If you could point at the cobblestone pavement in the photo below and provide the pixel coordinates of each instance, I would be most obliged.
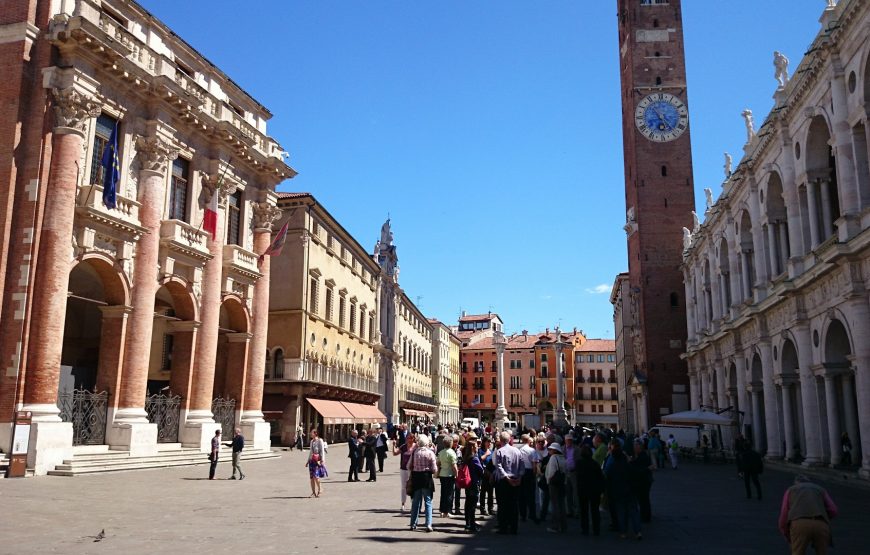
(697, 509)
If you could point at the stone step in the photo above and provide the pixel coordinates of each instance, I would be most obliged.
(193, 454)
(72, 468)
(124, 455)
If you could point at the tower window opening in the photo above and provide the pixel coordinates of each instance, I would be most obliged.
(658, 80)
(664, 171)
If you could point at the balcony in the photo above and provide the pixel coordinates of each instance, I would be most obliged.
(184, 241)
(580, 379)
(240, 267)
(611, 380)
(319, 373)
(417, 398)
(477, 385)
(124, 217)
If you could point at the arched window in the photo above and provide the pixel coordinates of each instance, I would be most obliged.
(664, 171)
(658, 80)
(675, 300)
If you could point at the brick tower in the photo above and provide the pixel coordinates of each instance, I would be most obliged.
(659, 197)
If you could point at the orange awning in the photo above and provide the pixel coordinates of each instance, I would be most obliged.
(333, 412)
(364, 414)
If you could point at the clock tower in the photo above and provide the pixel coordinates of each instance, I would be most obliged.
(659, 198)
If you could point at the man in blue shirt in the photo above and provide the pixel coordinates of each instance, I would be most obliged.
(509, 468)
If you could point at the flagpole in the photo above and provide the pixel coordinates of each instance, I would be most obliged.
(217, 188)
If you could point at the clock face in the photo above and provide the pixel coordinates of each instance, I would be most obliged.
(661, 117)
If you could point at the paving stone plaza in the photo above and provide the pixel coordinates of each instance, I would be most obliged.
(697, 509)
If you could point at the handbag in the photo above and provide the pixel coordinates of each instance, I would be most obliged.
(210, 456)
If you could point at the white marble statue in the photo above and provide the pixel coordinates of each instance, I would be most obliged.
(780, 63)
(396, 273)
(696, 222)
(377, 247)
(832, 4)
(687, 239)
(728, 162)
(708, 193)
(750, 125)
(629, 215)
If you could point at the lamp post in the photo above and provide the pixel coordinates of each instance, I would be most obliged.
(500, 412)
(560, 417)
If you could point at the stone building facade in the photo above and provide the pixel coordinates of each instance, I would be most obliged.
(123, 326)
(596, 397)
(322, 367)
(629, 384)
(777, 276)
(405, 350)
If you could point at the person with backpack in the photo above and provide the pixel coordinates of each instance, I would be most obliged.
(468, 478)
(556, 477)
(752, 466)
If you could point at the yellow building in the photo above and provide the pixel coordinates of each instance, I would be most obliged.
(445, 375)
(322, 367)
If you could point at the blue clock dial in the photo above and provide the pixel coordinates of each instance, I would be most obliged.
(661, 117)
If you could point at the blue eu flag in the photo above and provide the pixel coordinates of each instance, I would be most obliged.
(111, 169)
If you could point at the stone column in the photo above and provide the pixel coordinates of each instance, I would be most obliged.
(721, 389)
(559, 415)
(746, 258)
(757, 436)
(715, 297)
(734, 271)
(771, 420)
(809, 397)
(847, 178)
(833, 417)
(237, 364)
(51, 439)
(784, 248)
(740, 368)
(113, 334)
(690, 307)
(705, 388)
(812, 208)
(254, 427)
(827, 216)
(199, 425)
(694, 402)
(500, 411)
(788, 419)
(184, 334)
(772, 253)
(859, 320)
(643, 410)
(130, 429)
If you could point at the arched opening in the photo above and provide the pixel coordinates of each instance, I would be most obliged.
(790, 395)
(92, 346)
(708, 296)
(756, 390)
(746, 259)
(232, 350)
(823, 201)
(859, 138)
(842, 419)
(776, 227)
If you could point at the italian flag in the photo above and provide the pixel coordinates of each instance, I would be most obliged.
(209, 221)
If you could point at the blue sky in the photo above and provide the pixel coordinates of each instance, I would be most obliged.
(490, 131)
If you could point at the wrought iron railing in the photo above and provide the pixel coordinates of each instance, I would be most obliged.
(164, 410)
(224, 411)
(87, 412)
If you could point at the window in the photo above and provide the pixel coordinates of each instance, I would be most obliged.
(329, 295)
(600, 358)
(613, 393)
(168, 343)
(494, 366)
(675, 300)
(178, 190)
(278, 371)
(590, 358)
(612, 372)
(664, 168)
(611, 358)
(544, 373)
(612, 408)
(312, 299)
(352, 317)
(543, 357)
(594, 407)
(532, 364)
(464, 398)
(234, 218)
(580, 407)
(362, 322)
(371, 328)
(493, 399)
(341, 306)
(545, 391)
(102, 133)
(600, 408)
(464, 366)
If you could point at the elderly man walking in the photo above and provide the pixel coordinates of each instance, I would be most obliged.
(509, 468)
(805, 517)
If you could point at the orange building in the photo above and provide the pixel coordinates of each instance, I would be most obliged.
(596, 388)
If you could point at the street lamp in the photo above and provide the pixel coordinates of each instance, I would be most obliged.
(560, 417)
(499, 341)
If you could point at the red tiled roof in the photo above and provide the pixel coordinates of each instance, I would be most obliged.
(604, 345)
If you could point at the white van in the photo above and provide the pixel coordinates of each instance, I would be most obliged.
(511, 426)
(470, 423)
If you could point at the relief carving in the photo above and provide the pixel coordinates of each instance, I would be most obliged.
(73, 109)
(264, 215)
(155, 153)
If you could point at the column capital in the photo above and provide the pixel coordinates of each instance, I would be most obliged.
(72, 110)
(265, 214)
(219, 183)
(155, 152)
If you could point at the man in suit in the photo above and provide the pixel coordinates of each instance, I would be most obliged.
(371, 451)
(381, 448)
(353, 455)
